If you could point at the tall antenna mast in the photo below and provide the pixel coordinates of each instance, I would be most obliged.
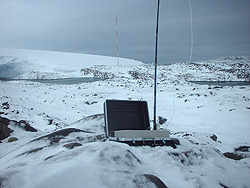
(156, 65)
(117, 49)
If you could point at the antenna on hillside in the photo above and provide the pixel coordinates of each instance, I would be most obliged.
(117, 49)
(156, 64)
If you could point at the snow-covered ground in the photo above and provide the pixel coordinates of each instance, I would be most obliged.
(195, 113)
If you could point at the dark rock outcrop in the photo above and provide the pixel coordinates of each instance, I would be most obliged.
(12, 139)
(175, 141)
(57, 135)
(214, 137)
(162, 120)
(234, 156)
(26, 126)
(5, 105)
(154, 179)
(242, 149)
(72, 145)
(31, 151)
(4, 129)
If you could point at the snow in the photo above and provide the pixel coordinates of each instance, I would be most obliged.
(194, 113)
(28, 64)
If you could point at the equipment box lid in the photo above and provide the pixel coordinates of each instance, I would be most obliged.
(125, 115)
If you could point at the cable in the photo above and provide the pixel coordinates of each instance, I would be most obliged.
(191, 28)
(117, 45)
(191, 52)
(174, 109)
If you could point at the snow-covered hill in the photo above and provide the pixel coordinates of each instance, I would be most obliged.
(33, 64)
(69, 149)
(227, 69)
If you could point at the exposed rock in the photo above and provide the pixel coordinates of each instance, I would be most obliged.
(162, 120)
(26, 126)
(60, 134)
(233, 156)
(90, 103)
(4, 129)
(12, 139)
(158, 183)
(32, 151)
(92, 138)
(72, 145)
(222, 185)
(48, 157)
(217, 87)
(187, 134)
(5, 105)
(134, 74)
(89, 118)
(55, 140)
(214, 137)
(242, 148)
(96, 73)
(50, 121)
(4, 120)
(200, 106)
(175, 141)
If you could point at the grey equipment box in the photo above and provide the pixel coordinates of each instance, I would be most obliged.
(128, 122)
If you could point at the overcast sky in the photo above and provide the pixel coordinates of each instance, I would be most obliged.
(220, 27)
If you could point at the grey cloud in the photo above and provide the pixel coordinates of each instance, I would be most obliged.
(221, 28)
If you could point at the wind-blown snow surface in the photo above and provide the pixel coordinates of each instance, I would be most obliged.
(194, 113)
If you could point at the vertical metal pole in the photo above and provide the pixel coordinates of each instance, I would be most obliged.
(156, 65)
(117, 49)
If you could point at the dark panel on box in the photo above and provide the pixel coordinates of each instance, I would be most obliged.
(125, 115)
